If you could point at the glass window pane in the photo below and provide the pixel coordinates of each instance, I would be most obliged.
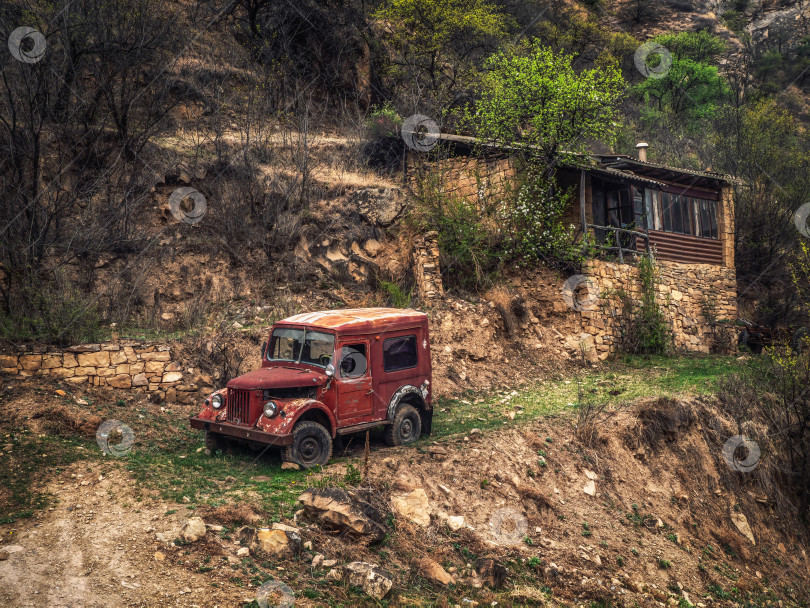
(353, 361)
(705, 221)
(399, 353)
(667, 211)
(714, 219)
(639, 212)
(677, 213)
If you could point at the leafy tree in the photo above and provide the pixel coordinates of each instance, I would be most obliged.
(437, 44)
(536, 101)
(692, 87)
(762, 145)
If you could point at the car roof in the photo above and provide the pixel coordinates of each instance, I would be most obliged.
(358, 320)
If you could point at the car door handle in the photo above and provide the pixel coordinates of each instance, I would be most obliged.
(370, 391)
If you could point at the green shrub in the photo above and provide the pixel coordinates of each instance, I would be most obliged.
(642, 325)
(54, 311)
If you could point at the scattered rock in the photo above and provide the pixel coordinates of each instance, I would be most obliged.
(590, 488)
(286, 528)
(456, 522)
(329, 563)
(159, 557)
(333, 575)
(4, 555)
(317, 560)
(590, 475)
(339, 510)
(308, 545)
(242, 552)
(375, 581)
(413, 506)
(491, 572)
(289, 466)
(372, 247)
(741, 522)
(276, 543)
(432, 571)
(193, 530)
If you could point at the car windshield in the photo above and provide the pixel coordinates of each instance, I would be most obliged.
(301, 346)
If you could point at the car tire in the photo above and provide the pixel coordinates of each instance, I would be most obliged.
(406, 426)
(214, 441)
(311, 446)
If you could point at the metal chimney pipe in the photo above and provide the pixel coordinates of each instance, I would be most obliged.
(642, 151)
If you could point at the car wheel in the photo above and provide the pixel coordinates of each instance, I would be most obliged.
(311, 446)
(213, 441)
(406, 427)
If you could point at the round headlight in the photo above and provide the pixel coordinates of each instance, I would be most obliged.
(270, 409)
(217, 401)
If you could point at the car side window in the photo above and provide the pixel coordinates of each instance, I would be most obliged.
(353, 361)
(399, 353)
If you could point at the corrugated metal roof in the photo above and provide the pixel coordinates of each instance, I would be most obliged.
(599, 163)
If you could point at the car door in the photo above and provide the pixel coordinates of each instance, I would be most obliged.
(355, 394)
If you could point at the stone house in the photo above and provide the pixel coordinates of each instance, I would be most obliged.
(625, 207)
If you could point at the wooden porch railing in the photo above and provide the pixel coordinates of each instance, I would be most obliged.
(617, 233)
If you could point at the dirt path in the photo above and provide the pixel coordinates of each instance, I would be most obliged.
(97, 547)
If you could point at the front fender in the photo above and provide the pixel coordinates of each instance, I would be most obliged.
(293, 410)
(209, 413)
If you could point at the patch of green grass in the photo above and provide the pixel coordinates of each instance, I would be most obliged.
(173, 467)
(664, 564)
(619, 382)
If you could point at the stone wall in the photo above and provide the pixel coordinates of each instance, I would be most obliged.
(683, 293)
(143, 367)
(426, 268)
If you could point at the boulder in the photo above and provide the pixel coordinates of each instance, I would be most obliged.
(741, 522)
(372, 579)
(193, 530)
(271, 543)
(492, 573)
(413, 506)
(432, 571)
(344, 512)
(456, 522)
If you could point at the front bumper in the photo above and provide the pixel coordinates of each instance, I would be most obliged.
(240, 432)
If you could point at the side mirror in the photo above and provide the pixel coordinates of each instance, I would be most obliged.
(264, 349)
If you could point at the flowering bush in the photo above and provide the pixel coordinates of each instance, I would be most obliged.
(384, 121)
(532, 224)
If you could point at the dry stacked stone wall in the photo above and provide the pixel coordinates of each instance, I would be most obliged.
(428, 272)
(699, 301)
(143, 367)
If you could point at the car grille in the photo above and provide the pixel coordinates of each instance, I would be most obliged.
(238, 409)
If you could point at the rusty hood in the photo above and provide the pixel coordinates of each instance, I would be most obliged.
(278, 377)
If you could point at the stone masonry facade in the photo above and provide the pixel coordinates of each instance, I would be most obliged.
(694, 297)
(143, 367)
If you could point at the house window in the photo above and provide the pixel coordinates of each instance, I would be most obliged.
(681, 214)
(399, 353)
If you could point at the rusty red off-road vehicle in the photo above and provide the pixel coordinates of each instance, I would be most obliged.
(325, 375)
